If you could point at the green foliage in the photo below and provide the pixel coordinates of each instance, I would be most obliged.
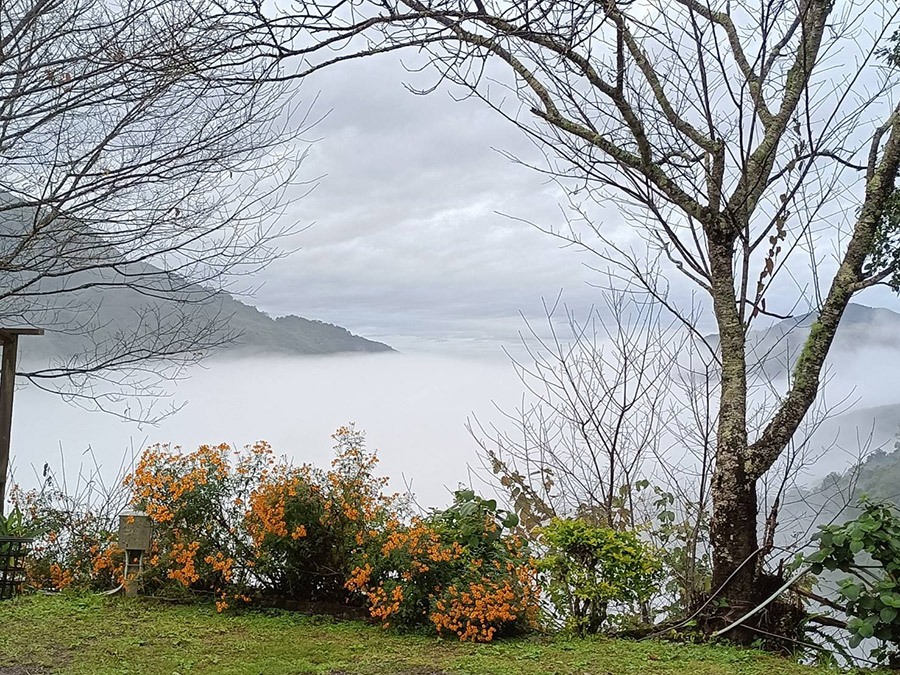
(15, 524)
(891, 54)
(474, 522)
(868, 548)
(682, 546)
(589, 570)
(885, 255)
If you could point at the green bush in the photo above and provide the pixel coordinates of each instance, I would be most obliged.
(867, 548)
(595, 574)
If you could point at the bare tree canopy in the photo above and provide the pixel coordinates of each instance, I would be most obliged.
(593, 415)
(141, 161)
(751, 147)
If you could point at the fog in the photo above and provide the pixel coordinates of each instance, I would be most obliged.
(412, 407)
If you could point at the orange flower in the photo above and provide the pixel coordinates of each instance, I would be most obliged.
(59, 577)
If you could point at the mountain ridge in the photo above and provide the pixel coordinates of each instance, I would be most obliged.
(69, 277)
(245, 329)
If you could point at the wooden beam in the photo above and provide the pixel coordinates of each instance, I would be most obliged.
(6, 333)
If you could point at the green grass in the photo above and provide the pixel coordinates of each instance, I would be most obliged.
(91, 634)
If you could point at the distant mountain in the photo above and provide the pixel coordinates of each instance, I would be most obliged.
(861, 327)
(861, 369)
(775, 348)
(69, 278)
(122, 310)
(834, 496)
(290, 334)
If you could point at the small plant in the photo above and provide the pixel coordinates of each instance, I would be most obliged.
(681, 543)
(589, 570)
(74, 532)
(867, 548)
(15, 525)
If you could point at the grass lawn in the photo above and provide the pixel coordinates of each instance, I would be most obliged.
(91, 634)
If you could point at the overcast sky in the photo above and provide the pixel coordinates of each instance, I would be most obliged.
(408, 242)
(407, 238)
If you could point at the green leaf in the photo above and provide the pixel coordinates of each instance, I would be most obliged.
(467, 509)
(851, 591)
(511, 520)
(856, 546)
(888, 614)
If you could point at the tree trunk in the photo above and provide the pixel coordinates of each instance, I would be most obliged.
(733, 529)
(734, 535)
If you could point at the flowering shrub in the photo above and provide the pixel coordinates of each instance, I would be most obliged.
(230, 522)
(307, 526)
(195, 502)
(456, 569)
(590, 569)
(227, 522)
(75, 535)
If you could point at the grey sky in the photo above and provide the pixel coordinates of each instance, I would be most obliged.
(407, 238)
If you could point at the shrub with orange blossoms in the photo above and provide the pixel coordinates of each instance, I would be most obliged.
(76, 537)
(235, 524)
(460, 570)
(308, 526)
(195, 501)
(244, 522)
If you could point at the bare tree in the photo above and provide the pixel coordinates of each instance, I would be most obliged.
(592, 415)
(141, 162)
(753, 146)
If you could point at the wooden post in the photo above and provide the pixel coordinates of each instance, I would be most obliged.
(7, 389)
(10, 340)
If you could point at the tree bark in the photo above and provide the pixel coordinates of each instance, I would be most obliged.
(733, 528)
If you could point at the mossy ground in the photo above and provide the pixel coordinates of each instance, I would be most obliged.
(80, 634)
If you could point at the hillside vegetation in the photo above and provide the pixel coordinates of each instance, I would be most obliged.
(80, 634)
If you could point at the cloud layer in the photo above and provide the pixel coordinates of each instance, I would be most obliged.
(414, 221)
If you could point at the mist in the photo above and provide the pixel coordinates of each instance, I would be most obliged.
(413, 409)
(412, 406)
